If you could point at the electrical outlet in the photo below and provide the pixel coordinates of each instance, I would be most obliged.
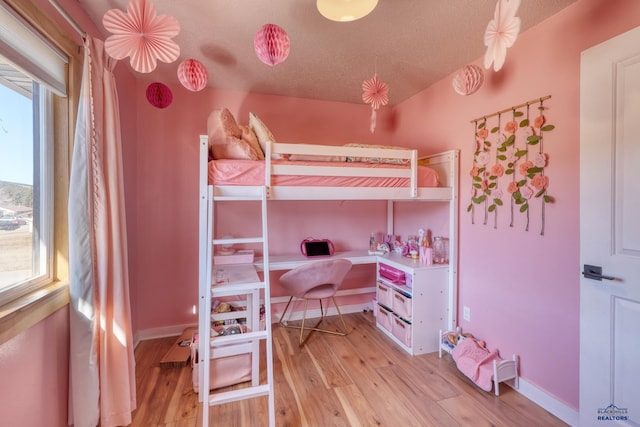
(466, 313)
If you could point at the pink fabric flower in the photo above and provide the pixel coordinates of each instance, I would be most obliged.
(526, 191)
(474, 171)
(510, 154)
(539, 121)
(497, 170)
(501, 33)
(141, 34)
(483, 133)
(512, 187)
(540, 181)
(484, 185)
(500, 139)
(473, 191)
(497, 193)
(511, 127)
(524, 167)
(483, 158)
(540, 160)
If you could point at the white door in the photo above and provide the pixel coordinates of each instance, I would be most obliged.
(610, 232)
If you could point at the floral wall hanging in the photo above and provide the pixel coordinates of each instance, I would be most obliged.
(376, 93)
(509, 161)
(142, 35)
(501, 33)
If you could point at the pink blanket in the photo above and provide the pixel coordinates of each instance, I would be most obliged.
(251, 172)
(475, 362)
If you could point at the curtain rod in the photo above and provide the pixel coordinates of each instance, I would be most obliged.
(68, 18)
(515, 107)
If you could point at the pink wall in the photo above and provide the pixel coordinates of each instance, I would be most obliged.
(523, 288)
(34, 367)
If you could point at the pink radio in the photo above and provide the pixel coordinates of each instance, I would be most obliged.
(316, 247)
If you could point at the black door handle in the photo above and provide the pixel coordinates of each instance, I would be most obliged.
(595, 273)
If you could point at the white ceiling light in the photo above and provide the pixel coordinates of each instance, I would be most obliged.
(345, 10)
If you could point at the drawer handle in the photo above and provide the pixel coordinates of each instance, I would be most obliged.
(399, 323)
(400, 297)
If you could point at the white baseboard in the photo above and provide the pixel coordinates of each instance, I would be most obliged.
(548, 402)
(154, 333)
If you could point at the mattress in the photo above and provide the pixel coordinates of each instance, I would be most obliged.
(251, 172)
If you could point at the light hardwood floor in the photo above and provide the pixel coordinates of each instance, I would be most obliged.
(362, 379)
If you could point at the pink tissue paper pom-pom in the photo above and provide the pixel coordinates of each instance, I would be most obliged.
(193, 75)
(271, 44)
(468, 80)
(159, 95)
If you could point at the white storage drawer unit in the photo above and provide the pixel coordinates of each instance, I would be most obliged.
(412, 308)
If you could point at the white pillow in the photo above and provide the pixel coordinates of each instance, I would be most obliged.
(250, 138)
(263, 133)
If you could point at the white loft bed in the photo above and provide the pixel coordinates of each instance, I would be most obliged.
(444, 164)
(268, 186)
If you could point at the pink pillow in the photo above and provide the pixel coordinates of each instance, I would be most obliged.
(233, 148)
(225, 137)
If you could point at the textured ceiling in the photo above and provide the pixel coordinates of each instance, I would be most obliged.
(409, 43)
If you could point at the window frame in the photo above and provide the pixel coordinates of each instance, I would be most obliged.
(26, 310)
(42, 100)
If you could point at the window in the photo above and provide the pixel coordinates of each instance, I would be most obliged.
(40, 68)
(26, 212)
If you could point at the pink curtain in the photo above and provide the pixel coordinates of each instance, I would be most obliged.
(102, 364)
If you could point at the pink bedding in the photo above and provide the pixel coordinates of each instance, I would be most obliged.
(251, 172)
(475, 362)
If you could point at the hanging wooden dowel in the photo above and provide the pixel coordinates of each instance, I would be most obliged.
(515, 107)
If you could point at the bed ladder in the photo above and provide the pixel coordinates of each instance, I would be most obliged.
(235, 280)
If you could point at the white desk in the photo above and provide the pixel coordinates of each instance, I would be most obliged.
(288, 262)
